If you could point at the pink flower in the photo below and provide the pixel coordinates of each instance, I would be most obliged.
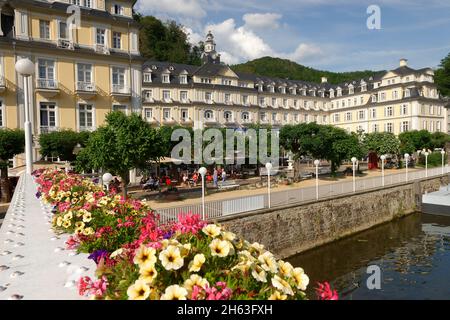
(88, 287)
(189, 223)
(324, 292)
(73, 242)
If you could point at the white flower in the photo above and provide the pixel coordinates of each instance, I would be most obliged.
(230, 236)
(174, 292)
(145, 255)
(197, 263)
(268, 262)
(282, 285)
(301, 279)
(148, 272)
(211, 230)
(220, 248)
(285, 268)
(138, 291)
(259, 274)
(195, 280)
(171, 258)
(87, 217)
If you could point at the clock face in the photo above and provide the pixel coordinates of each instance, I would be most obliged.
(214, 56)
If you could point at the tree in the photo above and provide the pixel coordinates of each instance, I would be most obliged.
(439, 139)
(382, 143)
(122, 144)
(442, 76)
(60, 144)
(12, 143)
(411, 141)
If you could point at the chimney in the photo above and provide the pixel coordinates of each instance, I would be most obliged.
(324, 80)
(403, 62)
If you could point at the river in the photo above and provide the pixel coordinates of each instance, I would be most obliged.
(413, 254)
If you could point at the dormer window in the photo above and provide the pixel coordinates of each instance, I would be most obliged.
(374, 98)
(339, 92)
(283, 90)
(407, 93)
(351, 89)
(363, 87)
(83, 3)
(293, 91)
(117, 9)
(271, 89)
(260, 88)
(183, 79)
(147, 77)
(331, 93)
(166, 78)
(205, 80)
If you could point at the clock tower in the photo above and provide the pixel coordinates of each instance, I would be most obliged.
(210, 55)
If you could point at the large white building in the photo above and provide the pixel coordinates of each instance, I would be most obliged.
(213, 94)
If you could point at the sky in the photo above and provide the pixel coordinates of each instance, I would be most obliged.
(325, 34)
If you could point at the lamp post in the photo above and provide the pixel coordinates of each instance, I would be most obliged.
(107, 178)
(406, 164)
(26, 68)
(268, 168)
(354, 173)
(426, 163)
(202, 172)
(443, 156)
(383, 157)
(316, 163)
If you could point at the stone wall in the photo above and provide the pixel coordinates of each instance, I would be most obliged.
(292, 229)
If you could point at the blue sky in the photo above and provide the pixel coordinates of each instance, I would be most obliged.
(325, 34)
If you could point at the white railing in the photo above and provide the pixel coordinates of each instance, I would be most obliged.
(85, 86)
(217, 209)
(46, 83)
(48, 129)
(120, 88)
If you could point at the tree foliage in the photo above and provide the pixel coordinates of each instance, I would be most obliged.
(286, 69)
(166, 41)
(61, 143)
(412, 141)
(442, 76)
(122, 144)
(382, 143)
(12, 143)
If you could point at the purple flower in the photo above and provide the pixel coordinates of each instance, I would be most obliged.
(168, 235)
(38, 194)
(97, 255)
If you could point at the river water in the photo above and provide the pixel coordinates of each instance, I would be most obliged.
(413, 254)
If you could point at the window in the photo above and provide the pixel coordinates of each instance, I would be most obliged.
(183, 79)
(263, 116)
(331, 93)
(62, 29)
(274, 117)
(285, 117)
(364, 88)
(183, 96)
(296, 117)
(373, 113)
(351, 90)
(205, 80)
(209, 115)
(348, 116)
(147, 77)
(166, 78)
(46, 74)
(339, 92)
(119, 108)
(226, 82)
(148, 95)
(395, 94)
(285, 103)
(262, 101)
(228, 115)
(404, 109)
(47, 117)
(44, 29)
(100, 36)
(389, 127)
(244, 100)
(117, 40)
(166, 114)
(382, 96)
(208, 97)
(23, 23)
(227, 98)
(166, 95)
(375, 128)
(438, 126)
(245, 116)
(361, 115)
(431, 110)
(361, 100)
(283, 90)
(85, 114)
(374, 98)
(404, 126)
(148, 113)
(84, 77)
(306, 118)
(274, 102)
(88, 3)
(184, 114)
(424, 125)
(431, 126)
(118, 79)
(407, 93)
(336, 117)
(388, 112)
(439, 111)
(324, 119)
(117, 9)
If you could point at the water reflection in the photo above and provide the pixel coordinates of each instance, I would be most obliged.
(413, 254)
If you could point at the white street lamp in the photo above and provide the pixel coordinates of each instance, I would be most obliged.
(354, 173)
(26, 68)
(443, 156)
(202, 172)
(268, 168)
(406, 164)
(107, 178)
(316, 163)
(383, 157)
(426, 163)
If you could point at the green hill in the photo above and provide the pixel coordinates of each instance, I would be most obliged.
(286, 69)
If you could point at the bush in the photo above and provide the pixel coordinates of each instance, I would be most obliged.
(60, 144)
(434, 160)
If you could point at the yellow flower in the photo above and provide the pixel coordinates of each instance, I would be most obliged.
(171, 258)
(285, 268)
(165, 243)
(66, 223)
(220, 248)
(79, 224)
(268, 262)
(59, 221)
(68, 215)
(230, 236)
(116, 253)
(145, 255)
(87, 217)
(138, 291)
(259, 274)
(184, 249)
(195, 280)
(88, 231)
(197, 262)
(211, 230)
(282, 285)
(301, 279)
(277, 296)
(258, 247)
(148, 272)
(174, 292)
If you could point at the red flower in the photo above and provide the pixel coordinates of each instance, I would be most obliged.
(324, 292)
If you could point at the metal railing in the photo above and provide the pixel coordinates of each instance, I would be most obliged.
(46, 83)
(120, 88)
(226, 207)
(85, 86)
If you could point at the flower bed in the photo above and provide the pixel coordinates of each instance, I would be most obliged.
(138, 259)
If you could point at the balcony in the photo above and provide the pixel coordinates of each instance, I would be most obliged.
(86, 90)
(100, 48)
(120, 92)
(65, 44)
(229, 121)
(47, 129)
(2, 84)
(186, 121)
(47, 87)
(210, 121)
(169, 120)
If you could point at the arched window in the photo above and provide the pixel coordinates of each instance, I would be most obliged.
(245, 116)
(228, 115)
(209, 115)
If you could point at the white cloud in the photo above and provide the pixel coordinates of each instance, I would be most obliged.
(305, 52)
(261, 20)
(177, 8)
